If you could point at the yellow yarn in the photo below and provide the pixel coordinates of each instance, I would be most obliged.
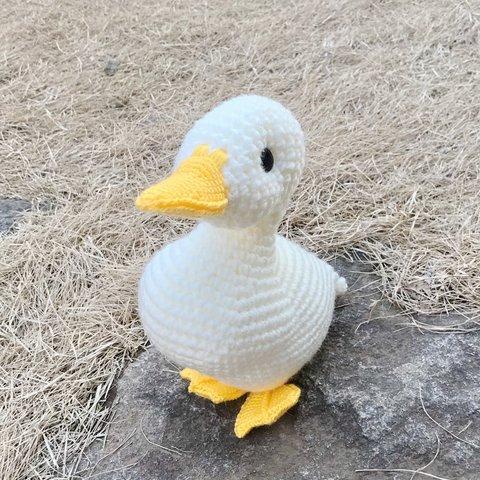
(265, 408)
(209, 388)
(195, 189)
(260, 408)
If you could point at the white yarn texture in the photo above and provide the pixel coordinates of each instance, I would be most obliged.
(232, 299)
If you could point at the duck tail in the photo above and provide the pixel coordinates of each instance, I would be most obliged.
(340, 284)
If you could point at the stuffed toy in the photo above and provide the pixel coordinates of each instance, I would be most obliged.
(241, 307)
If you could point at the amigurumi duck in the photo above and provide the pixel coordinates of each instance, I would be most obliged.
(241, 307)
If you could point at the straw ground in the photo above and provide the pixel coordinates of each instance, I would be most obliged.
(95, 98)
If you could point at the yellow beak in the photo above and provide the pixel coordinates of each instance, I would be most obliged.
(195, 189)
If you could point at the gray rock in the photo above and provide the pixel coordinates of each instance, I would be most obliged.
(10, 209)
(111, 66)
(360, 408)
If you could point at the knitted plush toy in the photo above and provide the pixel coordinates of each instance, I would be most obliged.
(238, 305)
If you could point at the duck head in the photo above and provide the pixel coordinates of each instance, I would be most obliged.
(237, 167)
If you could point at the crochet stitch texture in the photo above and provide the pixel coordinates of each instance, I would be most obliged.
(233, 299)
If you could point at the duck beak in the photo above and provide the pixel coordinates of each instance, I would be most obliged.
(195, 189)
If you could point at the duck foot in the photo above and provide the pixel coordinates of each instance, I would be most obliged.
(265, 408)
(209, 388)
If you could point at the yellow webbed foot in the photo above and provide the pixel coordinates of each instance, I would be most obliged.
(265, 408)
(208, 387)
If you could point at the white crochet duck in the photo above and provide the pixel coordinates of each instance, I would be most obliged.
(242, 307)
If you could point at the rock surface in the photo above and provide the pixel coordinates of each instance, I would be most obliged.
(361, 407)
(10, 209)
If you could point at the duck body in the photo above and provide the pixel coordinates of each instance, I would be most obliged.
(239, 306)
(246, 307)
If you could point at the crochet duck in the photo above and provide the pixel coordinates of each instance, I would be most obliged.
(240, 306)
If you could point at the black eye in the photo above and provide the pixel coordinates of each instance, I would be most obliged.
(267, 159)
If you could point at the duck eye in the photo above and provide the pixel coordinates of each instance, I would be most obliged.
(267, 159)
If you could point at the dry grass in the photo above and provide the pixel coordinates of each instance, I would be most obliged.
(95, 98)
